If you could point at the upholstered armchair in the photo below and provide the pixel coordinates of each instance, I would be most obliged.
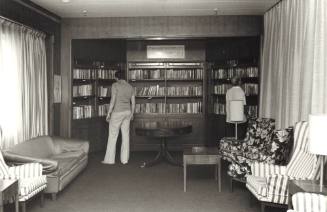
(262, 144)
(269, 183)
(30, 180)
(309, 202)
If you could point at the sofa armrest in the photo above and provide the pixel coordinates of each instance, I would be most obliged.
(70, 145)
(16, 159)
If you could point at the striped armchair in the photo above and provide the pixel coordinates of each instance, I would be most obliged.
(30, 179)
(269, 183)
(309, 202)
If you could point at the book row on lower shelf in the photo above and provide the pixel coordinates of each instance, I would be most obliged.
(156, 90)
(82, 90)
(88, 111)
(248, 88)
(79, 73)
(249, 110)
(181, 74)
(228, 73)
(161, 108)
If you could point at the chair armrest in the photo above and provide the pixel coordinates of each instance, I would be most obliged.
(303, 201)
(28, 170)
(70, 145)
(15, 159)
(264, 169)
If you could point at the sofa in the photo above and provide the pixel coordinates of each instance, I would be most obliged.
(62, 159)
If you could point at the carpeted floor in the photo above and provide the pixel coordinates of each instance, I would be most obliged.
(124, 188)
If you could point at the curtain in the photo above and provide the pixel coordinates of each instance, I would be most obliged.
(23, 84)
(293, 71)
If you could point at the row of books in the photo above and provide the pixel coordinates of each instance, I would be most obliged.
(249, 89)
(106, 73)
(180, 74)
(155, 90)
(82, 90)
(250, 110)
(160, 107)
(189, 107)
(185, 74)
(228, 73)
(185, 91)
(83, 111)
(137, 74)
(104, 91)
(103, 109)
(79, 73)
(150, 108)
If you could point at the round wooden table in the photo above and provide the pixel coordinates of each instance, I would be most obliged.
(163, 130)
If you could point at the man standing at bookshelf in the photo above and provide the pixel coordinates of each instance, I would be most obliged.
(120, 113)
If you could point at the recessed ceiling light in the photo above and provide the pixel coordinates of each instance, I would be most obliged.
(65, 1)
(84, 12)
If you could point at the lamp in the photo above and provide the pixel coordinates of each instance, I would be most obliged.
(236, 109)
(318, 139)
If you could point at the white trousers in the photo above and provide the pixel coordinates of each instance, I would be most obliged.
(118, 120)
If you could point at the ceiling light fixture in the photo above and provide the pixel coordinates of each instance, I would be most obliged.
(65, 1)
(84, 12)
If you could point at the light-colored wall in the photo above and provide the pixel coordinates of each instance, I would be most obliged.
(144, 27)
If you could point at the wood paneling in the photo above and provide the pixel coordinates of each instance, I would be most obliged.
(144, 27)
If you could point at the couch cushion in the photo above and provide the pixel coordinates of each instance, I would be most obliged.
(39, 147)
(66, 161)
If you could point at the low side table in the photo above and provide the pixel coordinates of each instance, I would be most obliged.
(310, 186)
(8, 189)
(202, 156)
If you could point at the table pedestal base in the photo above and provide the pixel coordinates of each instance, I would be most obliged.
(162, 156)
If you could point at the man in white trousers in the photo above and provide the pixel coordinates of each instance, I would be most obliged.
(120, 113)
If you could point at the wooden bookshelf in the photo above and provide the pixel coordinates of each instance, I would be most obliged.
(168, 88)
(226, 58)
(94, 63)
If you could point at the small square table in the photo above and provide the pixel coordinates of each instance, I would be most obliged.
(310, 186)
(202, 156)
(8, 189)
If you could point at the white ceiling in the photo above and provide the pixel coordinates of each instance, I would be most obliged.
(134, 8)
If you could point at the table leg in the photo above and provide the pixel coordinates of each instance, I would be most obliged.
(16, 203)
(289, 201)
(185, 173)
(163, 155)
(219, 175)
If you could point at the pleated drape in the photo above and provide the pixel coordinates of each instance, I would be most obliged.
(293, 72)
(23, 84)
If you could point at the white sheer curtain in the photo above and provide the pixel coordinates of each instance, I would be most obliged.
(294, 61)
(23, 84)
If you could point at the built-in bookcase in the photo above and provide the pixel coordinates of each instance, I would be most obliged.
(226, 58)
(221, 81)
(94, 62)
(167, 87)
(91, 90)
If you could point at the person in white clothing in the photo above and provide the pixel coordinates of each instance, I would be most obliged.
(120, 113)
(235, 93)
